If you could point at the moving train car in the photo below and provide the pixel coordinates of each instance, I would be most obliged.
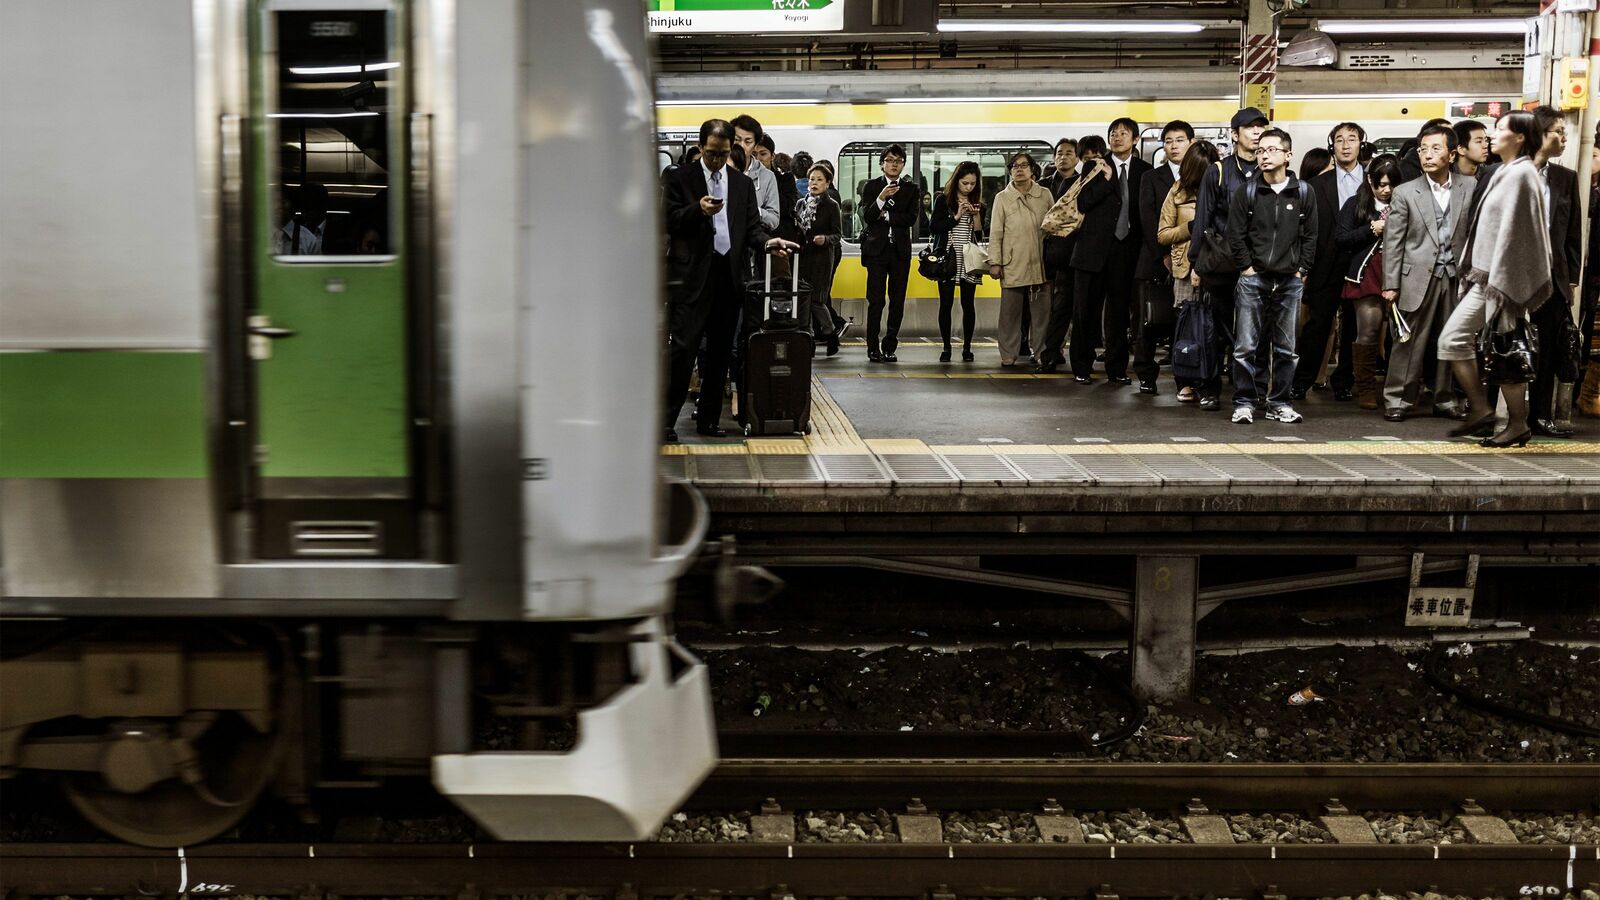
(945, 116)
(311, 473)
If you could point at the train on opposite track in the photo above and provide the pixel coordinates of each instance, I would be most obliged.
(306, 479)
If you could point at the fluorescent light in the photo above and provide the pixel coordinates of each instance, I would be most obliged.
(348, 115)
(343, 70)
(1131, 26)
(1422, 26)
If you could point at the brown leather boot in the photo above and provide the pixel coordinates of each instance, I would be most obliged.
(1365, 364)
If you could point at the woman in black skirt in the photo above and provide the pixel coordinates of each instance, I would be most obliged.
(817, 215)
(957, 221)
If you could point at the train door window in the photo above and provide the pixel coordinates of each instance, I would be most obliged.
(937, 162)
(329, 94)
(1157, 152)
(857, 165)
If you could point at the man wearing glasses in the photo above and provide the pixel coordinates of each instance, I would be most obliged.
(889, 207)
(1273, 236)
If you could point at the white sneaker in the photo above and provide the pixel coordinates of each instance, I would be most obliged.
(1285, 414)
(1244, 415)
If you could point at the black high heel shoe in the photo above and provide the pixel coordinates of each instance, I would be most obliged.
(945, 356)
(966, 356)
(1480, 427)
(1520, 440)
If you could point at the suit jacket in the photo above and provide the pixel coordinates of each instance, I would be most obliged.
(1100, 201)
(1411, 239)
(1058, 250)
(1329, 269)
(887, 235)
(1153, 188)
(788, 196)
(1566, 230)
(691, 250)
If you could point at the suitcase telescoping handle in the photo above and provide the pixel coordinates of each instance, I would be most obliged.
(794, 289)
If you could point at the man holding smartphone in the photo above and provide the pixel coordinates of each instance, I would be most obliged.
(889, 208)
(712, 218)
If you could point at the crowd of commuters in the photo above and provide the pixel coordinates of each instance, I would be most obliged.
(1422, 277)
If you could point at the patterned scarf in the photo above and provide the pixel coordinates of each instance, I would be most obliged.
(806, 210)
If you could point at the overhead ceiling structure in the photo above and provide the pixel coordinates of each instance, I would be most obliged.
(1095, 35)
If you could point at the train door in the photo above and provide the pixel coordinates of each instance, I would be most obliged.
(328, 317)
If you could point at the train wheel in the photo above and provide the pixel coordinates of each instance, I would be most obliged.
(231, 766)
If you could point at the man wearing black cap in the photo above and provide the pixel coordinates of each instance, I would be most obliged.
(1211, 212)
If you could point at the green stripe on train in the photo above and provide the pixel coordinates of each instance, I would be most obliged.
(102, 414)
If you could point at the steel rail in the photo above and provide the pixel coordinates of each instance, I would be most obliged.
(1025, 784)
(652, 869)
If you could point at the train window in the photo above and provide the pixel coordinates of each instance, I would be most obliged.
(937, 162)
(328, 95)
(930, 166)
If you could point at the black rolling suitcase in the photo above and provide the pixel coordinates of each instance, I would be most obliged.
(777, 370)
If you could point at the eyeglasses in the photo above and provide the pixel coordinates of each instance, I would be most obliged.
(1271, 150)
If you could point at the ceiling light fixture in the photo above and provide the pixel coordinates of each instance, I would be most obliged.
(1422, 26)
(343, 70)
(1048, 26)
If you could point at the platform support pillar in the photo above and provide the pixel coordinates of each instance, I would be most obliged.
(1165, 610)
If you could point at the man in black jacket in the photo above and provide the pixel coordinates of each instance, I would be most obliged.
(1273, 235)
(1211, 214)
(1104, 260)
(1049, 337)
(889, 207)
(1566, 259)
(712, 218)
(1325, 285)
(1153, 275)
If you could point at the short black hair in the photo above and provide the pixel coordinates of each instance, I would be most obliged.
(1431, 123)
(1547, 116)
(1445, 131)
(1361, 133)
(711, 128)
(1093, 143)
(1280, 134)
(1177, 125)
(1125, 122)
(1464, 130)
(1033, 164)
(1072, 142)
(748, 123)
(892, 150)
(766, 141)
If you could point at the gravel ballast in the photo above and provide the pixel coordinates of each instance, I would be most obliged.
(1371, 704)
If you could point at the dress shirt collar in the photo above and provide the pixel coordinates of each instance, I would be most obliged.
(706, 171)
(1173, 167)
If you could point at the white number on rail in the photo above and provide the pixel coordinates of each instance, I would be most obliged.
(1540, 890)
(203, 888)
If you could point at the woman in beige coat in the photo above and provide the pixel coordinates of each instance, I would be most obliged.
(1177, 215)
(1016, 253)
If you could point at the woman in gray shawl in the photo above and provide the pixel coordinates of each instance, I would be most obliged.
(1505, 275)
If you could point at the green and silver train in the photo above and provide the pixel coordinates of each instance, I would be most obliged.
(328, 413)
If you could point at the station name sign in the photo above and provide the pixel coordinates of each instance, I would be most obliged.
(744, 16)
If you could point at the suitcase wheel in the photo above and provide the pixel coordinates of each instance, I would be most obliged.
(747, 429)
(807, 429)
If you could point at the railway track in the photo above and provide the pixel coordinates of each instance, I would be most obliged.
(627, 871)
(918, 862)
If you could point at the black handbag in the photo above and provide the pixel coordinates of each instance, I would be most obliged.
(1508, 356)
(935, 261)
(1155, 303)
(1568, 346)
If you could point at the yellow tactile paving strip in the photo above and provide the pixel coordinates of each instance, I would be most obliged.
(831, 431)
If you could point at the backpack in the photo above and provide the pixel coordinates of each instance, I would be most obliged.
(1215, 257)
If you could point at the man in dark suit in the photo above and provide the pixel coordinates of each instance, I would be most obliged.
(1325, 284)
(1152, 274)
(1566, 261)
(1107, 252)
(889, 208)
(712, 219)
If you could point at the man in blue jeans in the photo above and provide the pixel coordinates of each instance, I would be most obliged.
(1274, 250)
